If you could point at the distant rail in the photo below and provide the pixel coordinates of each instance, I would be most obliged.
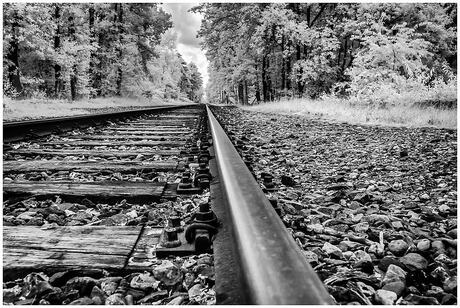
(272, 265)
(23, 130)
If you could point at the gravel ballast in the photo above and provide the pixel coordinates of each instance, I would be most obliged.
(373, 208)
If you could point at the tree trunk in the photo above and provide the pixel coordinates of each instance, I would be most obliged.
(257, 85)
(264, 79)
(246, 94)
(283, 67)
(120, 52)
(299, 74)
(288, 71)
(345, 52)
(57, 45)
(92, 64)
(13, 57)
(73, 73)
(241, 93)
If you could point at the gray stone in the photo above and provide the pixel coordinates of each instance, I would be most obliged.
(205, 259)
(373, 218)
(425, 197)
(363, 259)
(26, 215)
(316, 228)
(444, 209)
(414, 261)
(311, 257)
(397, 225)
(438, 246)
(349, 245)
(424, 245)
(83, 284)
(357, 218)
(332, 250)
(442, 258)
(144, 281)
(349, 255)
(361, 227)
(385, 297)
(115, 299)
(110, 284)
(394, 273)
(188, 280)
(397, 287)
(195, 292)
(450, 285)
(167, 273)
(98, 296)
(398, 247)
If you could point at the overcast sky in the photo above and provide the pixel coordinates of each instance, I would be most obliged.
(187, 24)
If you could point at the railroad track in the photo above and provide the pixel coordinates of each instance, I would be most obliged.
(115, 195)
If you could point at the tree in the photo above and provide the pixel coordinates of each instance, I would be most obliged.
(307, 49)
(73, 51)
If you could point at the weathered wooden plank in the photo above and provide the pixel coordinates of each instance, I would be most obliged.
(64, 248)
(89, 246)
(175, 117)
(166, 122)
(144, 126)
(118, 143)
(107, 189)
(17, 259)
(151, 128)
(70, 239)
(96, 153)
(130, 137)
(135, 131)
(88, 166)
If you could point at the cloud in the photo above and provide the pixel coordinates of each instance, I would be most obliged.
(186, 24)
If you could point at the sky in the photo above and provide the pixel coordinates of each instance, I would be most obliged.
(186, 24)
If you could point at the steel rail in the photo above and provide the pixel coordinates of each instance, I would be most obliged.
(17, 130)
(273, 266)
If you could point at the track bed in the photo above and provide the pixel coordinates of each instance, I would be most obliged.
(84, 210)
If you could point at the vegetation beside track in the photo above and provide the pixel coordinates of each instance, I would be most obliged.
(346, 111)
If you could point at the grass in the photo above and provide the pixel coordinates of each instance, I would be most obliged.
(410, 115)
(16, 110)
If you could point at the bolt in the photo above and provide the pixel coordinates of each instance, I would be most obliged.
(171, 234)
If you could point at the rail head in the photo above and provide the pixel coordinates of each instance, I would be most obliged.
(274, 268)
